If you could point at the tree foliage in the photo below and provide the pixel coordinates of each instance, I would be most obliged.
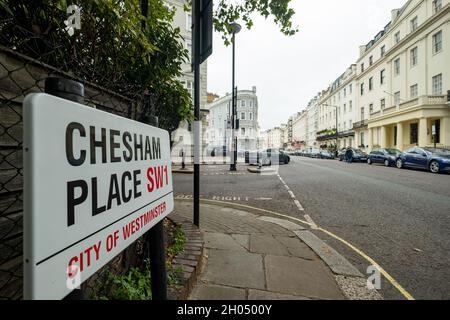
(113, 49)
(228, 11)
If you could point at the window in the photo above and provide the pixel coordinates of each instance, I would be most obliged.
(437, 42)
(362, 67)
(397, 67)
(242, 115)
(345, 93)
(250, 116)
(382, 76)
(242, 103)
(188, 21)
(362, 88)
(351, 89)
(437, 5)
(437, 84)
(243, 131)
(370, 84)
(371, 108)
(414, 57)
(383, 51)
(345, 108)
(397, 37)
(190, 87)
(362, 114)
(362, 139)
(371, 60)
(350, 124)
(397, 98)
(189, 48)
(350, 107)
(414, 24)
(383, 104)
(414, 133)
(414, 90)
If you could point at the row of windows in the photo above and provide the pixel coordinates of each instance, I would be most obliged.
(413, 93)
(413, 25)
(414, 60)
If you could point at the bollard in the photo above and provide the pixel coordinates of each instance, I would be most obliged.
(73, 91)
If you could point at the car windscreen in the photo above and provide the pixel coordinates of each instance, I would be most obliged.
(438, 151)
(393, 151)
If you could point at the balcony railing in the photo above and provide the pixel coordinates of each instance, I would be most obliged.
(360, 124)
(431, 100)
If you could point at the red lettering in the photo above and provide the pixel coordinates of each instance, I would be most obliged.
(151, 184)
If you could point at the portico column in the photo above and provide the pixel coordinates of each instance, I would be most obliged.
(400, 136)
(423, 138)
(370, 138)
(445, 131)
(383, 143)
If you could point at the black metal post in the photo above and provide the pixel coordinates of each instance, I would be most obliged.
(154, 240)
(196, 35)
(233, 113)
(73, 91)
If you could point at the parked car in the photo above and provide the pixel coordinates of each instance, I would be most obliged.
(315, 154)
(325, 154)
(385, 156)
(273, 156)
(358, 155)
(434, 159)
(341, 154)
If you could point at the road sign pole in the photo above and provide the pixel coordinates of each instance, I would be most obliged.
(196, 35)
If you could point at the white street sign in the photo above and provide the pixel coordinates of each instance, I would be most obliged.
(94, 183)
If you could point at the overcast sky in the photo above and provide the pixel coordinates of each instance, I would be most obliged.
(289, 71)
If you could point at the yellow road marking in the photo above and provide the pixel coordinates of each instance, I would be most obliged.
(403, 291)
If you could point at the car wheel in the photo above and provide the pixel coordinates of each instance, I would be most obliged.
(369, 161)
(399, 163)
(386, 163)
(434, 167)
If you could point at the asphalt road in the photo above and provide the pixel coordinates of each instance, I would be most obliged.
(400, 218)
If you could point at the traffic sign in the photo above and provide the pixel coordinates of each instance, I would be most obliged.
(94, 183)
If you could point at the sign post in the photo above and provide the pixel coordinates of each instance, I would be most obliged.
(94, 183)
(202, 35)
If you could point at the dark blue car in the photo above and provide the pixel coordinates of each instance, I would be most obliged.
(384, 156)
(434, 159)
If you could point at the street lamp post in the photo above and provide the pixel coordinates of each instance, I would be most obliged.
(234, 28)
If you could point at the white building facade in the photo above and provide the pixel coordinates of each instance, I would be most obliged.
(219, 123)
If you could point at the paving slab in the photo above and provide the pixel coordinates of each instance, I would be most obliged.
(283, 223)
(234, 268)
(267, 244)
(299, 277)
(332, 258)
(266, 295)
(242, 239)
(222, 241)
(215, 292)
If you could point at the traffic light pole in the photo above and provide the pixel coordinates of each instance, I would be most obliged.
(233, 154)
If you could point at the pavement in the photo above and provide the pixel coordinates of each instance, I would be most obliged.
(396, 218)
(251, 256)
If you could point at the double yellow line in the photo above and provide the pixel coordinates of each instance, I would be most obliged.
(388, 277)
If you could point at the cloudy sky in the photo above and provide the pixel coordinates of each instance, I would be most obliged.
(289, 71)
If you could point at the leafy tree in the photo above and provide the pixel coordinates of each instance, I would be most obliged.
(230, 11)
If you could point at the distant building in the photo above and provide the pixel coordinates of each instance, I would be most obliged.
(219, 128)
(299, 133)
(275, 138)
